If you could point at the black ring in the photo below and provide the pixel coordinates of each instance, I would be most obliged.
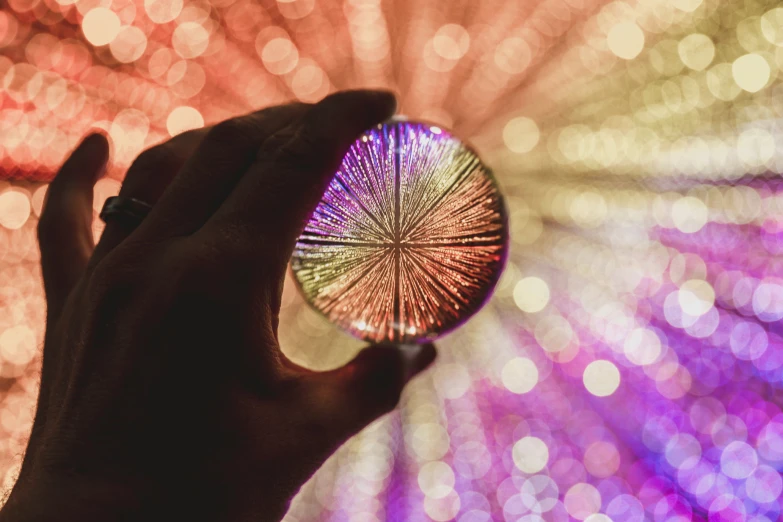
(130, 210)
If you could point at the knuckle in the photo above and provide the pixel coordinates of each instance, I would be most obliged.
(301, 152)
(109, 295)
(116, 279)
(228, 261)
(108, 269)
(123, 264)
(307, 138)
(272, 146)
(228, 132)
(152, 159)
(248, 247)
(102, 279)
(229, 249)
(183, 267)
(192, 269)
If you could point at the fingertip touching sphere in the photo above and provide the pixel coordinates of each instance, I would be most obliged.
(409, 238)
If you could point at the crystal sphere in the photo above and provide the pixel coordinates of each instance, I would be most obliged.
(409, 238)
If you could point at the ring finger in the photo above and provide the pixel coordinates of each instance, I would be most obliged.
(147, 178)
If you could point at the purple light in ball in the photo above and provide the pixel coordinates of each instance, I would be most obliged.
(409, 238)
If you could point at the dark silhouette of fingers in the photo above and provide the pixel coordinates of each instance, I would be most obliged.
(65, 229)
(270, 205)
(223, 157)
(148, 177)
(349, 398)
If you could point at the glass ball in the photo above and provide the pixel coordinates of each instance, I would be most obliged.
(409, 238)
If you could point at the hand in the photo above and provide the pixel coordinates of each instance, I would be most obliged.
(164, 394)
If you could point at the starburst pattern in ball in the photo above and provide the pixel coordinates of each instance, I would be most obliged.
(409, 238)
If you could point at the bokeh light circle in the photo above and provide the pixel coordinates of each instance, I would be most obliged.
(601, 378)
(184, 119)
(100, 26)
(531, 294)
(520, 375)
(530, 454)
(632, 351)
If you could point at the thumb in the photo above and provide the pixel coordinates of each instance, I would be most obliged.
(351, 397)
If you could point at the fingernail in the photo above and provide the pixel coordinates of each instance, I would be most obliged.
(416, 358)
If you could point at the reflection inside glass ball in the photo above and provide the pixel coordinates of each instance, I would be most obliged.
(409, 238)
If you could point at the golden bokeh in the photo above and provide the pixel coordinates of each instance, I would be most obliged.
(627, 365)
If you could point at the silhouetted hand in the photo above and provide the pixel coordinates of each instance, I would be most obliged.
(164, 393)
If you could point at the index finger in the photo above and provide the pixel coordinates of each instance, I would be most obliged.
(270, 205)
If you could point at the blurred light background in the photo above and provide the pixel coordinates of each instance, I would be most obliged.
(629, 367)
